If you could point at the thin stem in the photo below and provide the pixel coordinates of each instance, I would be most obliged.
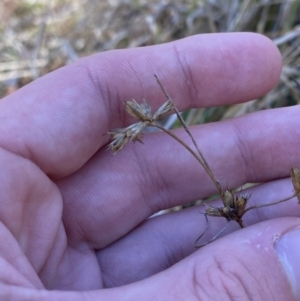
(212, 239)
(205, 164)
(269, 204)
(154, 124)
(206, 228)
(295, 81)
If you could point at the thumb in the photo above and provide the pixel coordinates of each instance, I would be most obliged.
(260, 262)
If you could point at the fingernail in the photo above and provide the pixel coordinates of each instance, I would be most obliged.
(288, 250)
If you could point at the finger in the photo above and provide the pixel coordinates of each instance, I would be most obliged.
(161, 174)
(58, 121)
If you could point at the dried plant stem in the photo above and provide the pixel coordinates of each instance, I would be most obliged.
(295, 81)
(213, 238)
(269, 204)
(154, 124)
(204, 163)
(206, 166)
(223, 229)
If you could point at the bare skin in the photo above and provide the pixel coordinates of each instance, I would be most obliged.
(73, 218)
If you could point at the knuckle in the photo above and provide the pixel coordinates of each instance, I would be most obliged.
(229, 279)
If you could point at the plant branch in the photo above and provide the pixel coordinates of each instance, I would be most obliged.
(204, 163)
(269, 204)
(213, 238)
(154, 124)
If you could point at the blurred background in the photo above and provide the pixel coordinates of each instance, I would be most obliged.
(39, 36)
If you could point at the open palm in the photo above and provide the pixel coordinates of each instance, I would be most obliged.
(74, 218)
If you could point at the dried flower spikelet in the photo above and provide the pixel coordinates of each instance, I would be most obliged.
(295, 174)
(146, 109)
(115, 133)
(212, 211)
(226, 212)
(119, 139)
(141, 112)
(228, 198)
(134, 131)
(241, 203)
(166, 108)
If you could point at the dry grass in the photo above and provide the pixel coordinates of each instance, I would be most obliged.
(40, 36)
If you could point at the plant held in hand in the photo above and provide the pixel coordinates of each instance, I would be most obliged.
(234, 204)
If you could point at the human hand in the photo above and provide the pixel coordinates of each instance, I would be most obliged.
(74, 217)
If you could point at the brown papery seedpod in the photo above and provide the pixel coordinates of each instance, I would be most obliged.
(141, 111)
(163, 110)
(120, 137)
(228, 198)
(241, 203)
(295, 174)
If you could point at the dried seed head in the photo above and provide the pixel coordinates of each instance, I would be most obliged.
(134, 131)
(141, 112)
(163, 110)
(226, 212)
(228, 198)
(295, 174)
(115, 133)
(146, 108)
(241, 203)
(234, 208)
(120, 137)
(212, 211)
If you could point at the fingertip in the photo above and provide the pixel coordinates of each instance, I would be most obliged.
(235, 67)
(268, 61)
